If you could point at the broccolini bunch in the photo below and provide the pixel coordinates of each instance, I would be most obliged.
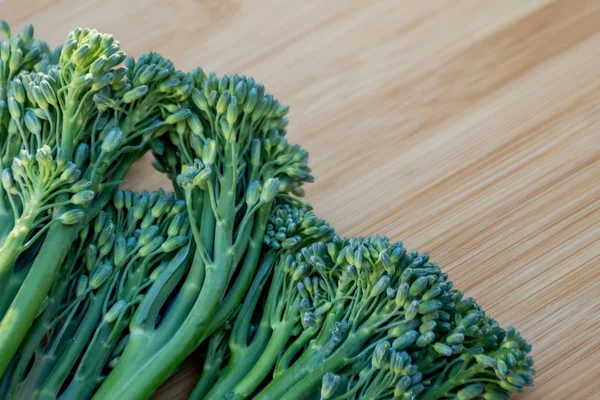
(80, 333)
(68, 134)
(231, 162)
(363, 318)
(105, 292)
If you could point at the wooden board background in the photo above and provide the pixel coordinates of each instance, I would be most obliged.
(466, 128)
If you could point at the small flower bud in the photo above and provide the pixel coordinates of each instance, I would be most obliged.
(270, 190)
(135, 94)
(114, 312)
(119, 251)
(107, 232)
(151, 247)
(382, 284)
(48, 93)
(82, 285)
(14, 108)
(455, 338)
(174, 243)
(255, 153)
(443, 349)
(426, 307)
(223, 102)
(470, 392)
(418, 286)
(181, 115)
(427, 326)
(381, 355)
(195, 124)
(100, 275)
(405, 340)
(113, 141)
(72, 217)
(200, 99)
(309, 319)
(329, 384)
(411, 311)
(425, 339)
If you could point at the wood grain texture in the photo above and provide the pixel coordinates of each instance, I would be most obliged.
(468, 129)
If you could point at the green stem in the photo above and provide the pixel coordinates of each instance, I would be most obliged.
(6, 221)
(290, 354)
(89, 372)
(301, 381)
(40, 328)
(442, 390)
(25, 306)
(77, 343)
(243, 356)
(244, 279)
(210, 374)
(265, 364)
(139, 380)
(12, 247)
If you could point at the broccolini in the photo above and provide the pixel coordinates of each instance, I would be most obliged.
(105, 292)
(230, 161)
(69, 133)
(83, 328)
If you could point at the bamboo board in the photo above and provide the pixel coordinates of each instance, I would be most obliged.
(468, 129)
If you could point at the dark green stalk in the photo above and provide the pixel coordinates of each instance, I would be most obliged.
(64, 365)
(243, 356)
(142, 381)
(300, 381)
(264, 365)
(40, 327)
(25, 306)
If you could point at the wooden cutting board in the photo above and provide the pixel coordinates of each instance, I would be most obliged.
(468, 129)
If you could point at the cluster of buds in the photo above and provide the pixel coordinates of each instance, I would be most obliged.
(290, 227)
(235, 103)
(232, 120)
(20, 52)
(307, 277)
(29, 189)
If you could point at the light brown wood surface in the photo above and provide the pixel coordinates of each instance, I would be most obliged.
(469, 129)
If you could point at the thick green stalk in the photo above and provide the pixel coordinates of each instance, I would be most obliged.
(300, 381)
(236, 294)
(13, 244)
(441, 391)
(40, 327)
(6, 222)
(243, 356)
(284, 361)
(25, 306)
(10, 285)
(264, 365)
(89, 373)
(140, 380)
(210, 373)
(190, 289)
(64, 365)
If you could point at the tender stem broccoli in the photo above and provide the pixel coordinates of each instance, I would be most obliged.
(381, 323)
(73, 130)
(83, 328)
(231, 162)
(289, 229)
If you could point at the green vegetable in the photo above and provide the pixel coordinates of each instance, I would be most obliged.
(68, 135)
(362, 318)
(230, 161)
(106, 292)
(289, 229)
(83, 329)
